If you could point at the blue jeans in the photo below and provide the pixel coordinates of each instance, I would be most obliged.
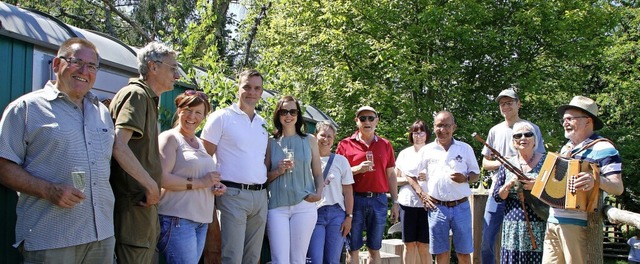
(181, 240)
(493, 217)
(368, 214)
(327, 241)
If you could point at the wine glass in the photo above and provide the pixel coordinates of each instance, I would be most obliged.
(369, 156)
(216, 169)
(78, 176)
(289, 155)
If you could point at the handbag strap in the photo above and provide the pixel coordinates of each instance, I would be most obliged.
(326, 168)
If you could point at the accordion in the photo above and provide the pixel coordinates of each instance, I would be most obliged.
(554, 185)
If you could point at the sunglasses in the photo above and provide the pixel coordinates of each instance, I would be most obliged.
(519, 135)
(284, 112)
(200, 94)
(366, 118)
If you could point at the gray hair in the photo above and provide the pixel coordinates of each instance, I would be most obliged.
(322, 125)
(526, 125)
(154, 51)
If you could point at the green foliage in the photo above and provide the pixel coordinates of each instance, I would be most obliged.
(410, 59)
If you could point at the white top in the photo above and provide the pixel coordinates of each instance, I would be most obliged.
(408, 162)
(341, 172)
(241, 144)
(440, 164)
(197, 204)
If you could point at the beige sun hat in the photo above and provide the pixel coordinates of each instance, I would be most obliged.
(366, 108)
(586, 105)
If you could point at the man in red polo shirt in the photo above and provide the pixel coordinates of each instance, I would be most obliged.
(373, 179)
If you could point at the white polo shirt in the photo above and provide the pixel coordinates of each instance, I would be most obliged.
(440, 164)
(241, 144)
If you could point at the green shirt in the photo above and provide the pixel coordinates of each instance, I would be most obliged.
(135, 107)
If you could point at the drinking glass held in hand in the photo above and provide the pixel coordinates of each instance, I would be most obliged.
(369, 156)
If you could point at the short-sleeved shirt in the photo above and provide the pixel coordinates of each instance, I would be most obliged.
(634, 249)
(355, 151)
(241, 144)
(340, 174)
(440, 164)
(409, 164)
(607, 158)
(500, 138)
(48, 135)
(135, 107)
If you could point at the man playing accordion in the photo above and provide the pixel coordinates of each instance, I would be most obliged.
(566, 236)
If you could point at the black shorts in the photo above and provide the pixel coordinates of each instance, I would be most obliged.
(415, 225)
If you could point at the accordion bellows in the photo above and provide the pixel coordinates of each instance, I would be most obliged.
(554, 185)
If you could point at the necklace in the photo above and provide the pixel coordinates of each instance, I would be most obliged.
(528, 161)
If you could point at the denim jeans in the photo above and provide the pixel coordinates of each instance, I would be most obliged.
(493, 218)
(369, 213)
(327, 241)
(181, 240)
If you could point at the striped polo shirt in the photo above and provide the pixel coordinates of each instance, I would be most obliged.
(608, 159)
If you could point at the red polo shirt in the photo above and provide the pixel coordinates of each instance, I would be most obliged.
(383, 157)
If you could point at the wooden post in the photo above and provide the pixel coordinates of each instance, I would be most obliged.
(594, 235)
(478, 202)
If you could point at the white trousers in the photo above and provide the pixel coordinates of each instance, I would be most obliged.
(289, 229)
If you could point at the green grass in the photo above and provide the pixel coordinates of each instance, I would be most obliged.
(614, 261)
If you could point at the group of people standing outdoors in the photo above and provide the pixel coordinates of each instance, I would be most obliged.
(95, 182)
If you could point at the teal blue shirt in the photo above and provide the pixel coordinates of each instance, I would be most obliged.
(291, 187)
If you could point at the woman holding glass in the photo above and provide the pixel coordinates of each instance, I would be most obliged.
(189, 183)
(516, 241)
(295, 184)
(413, 214)
(335, 209)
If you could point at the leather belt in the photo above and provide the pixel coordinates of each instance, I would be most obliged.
(449, 203)
(250, 187)
(367, 194)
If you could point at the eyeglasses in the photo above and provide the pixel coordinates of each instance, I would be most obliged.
(284, 112)
(173, 68)
(419, 134)
(200, 94)
(570, 119)
(519, 135)
(78, 63)
(366, 118)
(443, 126)
(508, 103)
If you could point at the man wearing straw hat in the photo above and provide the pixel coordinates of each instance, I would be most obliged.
(566, 236)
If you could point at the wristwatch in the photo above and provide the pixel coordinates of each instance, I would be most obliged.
(350, 215)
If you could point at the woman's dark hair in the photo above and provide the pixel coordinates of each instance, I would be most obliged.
(277, 132)
(190, 98)
(419, 125)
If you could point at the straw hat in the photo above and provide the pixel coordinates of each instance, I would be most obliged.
(586, 105)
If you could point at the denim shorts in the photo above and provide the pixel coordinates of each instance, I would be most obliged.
(370, 214)
(458, 220)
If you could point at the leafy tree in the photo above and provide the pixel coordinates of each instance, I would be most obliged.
(410, 59)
